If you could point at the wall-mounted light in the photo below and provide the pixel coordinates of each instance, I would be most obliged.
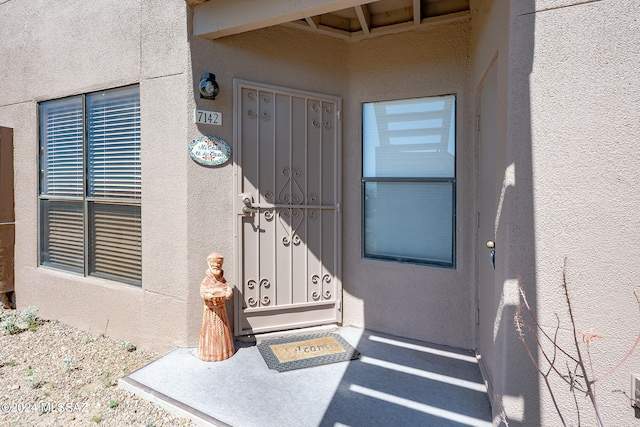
(208, 86)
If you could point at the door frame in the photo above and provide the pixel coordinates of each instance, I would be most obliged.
(238, 85)
(486, 283)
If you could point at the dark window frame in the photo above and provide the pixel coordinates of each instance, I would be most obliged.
(101, 236)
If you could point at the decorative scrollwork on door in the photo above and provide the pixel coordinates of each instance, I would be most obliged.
(291, 226)
(325, 279)
(253, 284)
(316, 280)
(264, 98)
(328, 111)
(290, 191)
(290, 247)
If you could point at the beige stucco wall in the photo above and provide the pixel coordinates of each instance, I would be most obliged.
(277, 56)
(585, 128)
(568, 150)
(514, 386)
(428, 303)
(567, 146)
(186, 208)
(64, 54)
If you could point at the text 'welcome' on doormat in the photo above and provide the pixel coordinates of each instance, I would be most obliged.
(297, 352)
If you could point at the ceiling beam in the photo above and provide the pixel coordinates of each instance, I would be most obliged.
(364, 17)
(322, 29)
(409, 26)
(313, 21)
(219, 18)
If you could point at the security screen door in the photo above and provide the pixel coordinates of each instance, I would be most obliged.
(287, 206)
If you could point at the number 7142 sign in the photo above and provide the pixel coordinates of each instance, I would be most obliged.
(209, 117)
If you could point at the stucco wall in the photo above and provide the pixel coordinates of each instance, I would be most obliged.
(567, 157)
(570, 107)
(278, 56)
(428, 303)
(514, 385)
(186, 208)
(585, 128)
(63, 54)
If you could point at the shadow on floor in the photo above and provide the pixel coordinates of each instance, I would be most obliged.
(396, 382)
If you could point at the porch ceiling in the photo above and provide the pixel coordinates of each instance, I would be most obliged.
(344, 19)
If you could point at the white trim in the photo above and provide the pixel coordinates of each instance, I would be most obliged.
(219, 18)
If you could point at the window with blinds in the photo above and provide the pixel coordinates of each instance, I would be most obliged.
(408, 180)
(90, 184)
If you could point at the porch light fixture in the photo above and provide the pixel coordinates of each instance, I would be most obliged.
(208, 86)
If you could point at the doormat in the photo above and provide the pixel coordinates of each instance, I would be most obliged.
(297, 352)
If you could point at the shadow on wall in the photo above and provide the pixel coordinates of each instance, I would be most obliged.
(515, 381)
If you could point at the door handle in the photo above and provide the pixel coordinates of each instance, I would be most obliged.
(248, 208)
(492, 255)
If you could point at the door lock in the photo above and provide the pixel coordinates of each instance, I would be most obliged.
(492, 255)
(248, 208)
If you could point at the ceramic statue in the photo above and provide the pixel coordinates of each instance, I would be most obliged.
(216, 339)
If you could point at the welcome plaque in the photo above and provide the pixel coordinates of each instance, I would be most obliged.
(209, 151)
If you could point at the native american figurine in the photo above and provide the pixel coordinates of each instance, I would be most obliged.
(216, 340)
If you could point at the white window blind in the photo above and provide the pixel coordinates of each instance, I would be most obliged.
(62, 229)
(62, 138)
(90, 186)
(114, 143)
(409, 220)
(115, 241)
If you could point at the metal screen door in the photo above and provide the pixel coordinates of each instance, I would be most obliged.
(287, 206)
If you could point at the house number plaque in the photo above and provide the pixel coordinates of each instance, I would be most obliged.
(209, 151)
(209, 117)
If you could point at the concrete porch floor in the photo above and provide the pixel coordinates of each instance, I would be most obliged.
(396, 381)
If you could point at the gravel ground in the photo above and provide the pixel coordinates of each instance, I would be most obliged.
(55, 375)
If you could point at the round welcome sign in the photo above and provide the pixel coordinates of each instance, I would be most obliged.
(210, 151)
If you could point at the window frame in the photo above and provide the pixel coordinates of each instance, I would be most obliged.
(451, 180)
(88, 202)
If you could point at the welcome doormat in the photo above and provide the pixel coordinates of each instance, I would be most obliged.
(297, 352)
